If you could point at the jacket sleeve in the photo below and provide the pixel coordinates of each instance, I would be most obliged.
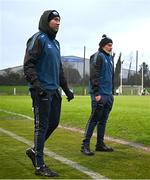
(95, 74)
(32, 54)
(63, 81)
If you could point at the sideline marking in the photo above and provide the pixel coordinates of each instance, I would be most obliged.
(115, 140)
(85, 170)
(53, 155)
(108, 138)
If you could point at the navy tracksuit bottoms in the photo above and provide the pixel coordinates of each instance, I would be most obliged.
(99, 115)
(46, 114)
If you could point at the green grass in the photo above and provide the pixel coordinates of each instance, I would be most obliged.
(16, 165)
(124, 162)
(129, 120)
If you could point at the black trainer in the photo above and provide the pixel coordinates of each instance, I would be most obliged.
(45, 171)
(104, 148)
(85, 149)
(31, 154)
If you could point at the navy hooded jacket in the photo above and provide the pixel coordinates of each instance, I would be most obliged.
(101, 73)
(42, 60)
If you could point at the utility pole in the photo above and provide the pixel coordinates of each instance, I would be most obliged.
(121, 79)
(136, 61)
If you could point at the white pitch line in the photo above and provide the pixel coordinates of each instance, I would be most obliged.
(53, 155)
(115, 140)
(17, 114)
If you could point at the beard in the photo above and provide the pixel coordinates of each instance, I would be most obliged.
(52, 33)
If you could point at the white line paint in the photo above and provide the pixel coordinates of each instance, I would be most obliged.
(53, 155)
(115, 140)
(17, 114)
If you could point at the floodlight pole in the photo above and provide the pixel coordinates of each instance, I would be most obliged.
(142, 78)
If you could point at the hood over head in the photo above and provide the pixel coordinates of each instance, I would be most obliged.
(44, 20)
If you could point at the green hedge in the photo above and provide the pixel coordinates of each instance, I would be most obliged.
(9, 90)
(23, 90)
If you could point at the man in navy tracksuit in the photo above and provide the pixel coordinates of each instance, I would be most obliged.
(43, 70)
(101, 88)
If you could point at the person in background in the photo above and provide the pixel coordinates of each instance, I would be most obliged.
(101, 91)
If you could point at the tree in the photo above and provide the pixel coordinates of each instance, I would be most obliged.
(136, 79)
(72, 74)
(146, 74)
(117, 72)
(146, 70)
(12, 78)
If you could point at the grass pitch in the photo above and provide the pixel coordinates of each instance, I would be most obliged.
(129, 120)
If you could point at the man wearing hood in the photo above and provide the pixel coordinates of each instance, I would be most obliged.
(101, 90)
(43, 70)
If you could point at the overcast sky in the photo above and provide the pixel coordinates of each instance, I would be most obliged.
(83, 22)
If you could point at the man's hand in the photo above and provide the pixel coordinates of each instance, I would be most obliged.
(39, 89)
(69, 94)
(98, 98)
